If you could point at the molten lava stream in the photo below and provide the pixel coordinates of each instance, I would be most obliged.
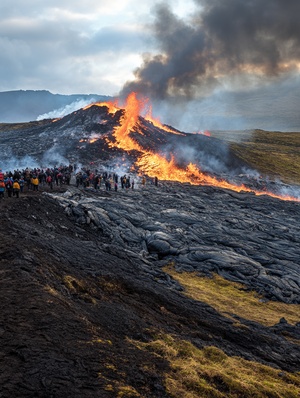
(157, 123)
(128, 121)
(155, 165)
(112, 106)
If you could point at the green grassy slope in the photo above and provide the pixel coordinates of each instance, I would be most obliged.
(275, 154)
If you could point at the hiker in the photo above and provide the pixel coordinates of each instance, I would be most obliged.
(59, 179)
(56, 172)
(27, 178)
(16, 175)
(78, 179)
(42, 177)
(123, 181)
(8, 187)
(16, 188)
(35, 183)
(21, 183)
(2, 189)
(156, 181)
(68, 178)
(49, 181)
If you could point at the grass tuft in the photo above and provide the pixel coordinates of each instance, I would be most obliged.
(79, 288)
(231, 299)
(209, 372)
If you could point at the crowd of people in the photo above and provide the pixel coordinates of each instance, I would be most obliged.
(15, 182)
(12, 183)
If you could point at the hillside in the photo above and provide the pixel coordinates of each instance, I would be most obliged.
(188, 288)
(111, 294)
(272, 153)
(27, 105)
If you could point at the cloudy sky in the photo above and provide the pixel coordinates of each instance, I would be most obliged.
(70, 46)
(221, 63)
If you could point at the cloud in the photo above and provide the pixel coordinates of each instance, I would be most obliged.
(69, 47)
(177, 52)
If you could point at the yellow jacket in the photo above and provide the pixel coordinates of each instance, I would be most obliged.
(16, 185)
(35, 181)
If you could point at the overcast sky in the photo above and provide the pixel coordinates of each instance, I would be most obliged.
(233, 57)
(71, 46)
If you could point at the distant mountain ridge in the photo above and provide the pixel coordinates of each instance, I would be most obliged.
(28, 105)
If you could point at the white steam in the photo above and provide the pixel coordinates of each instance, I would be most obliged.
(287, 190)
(66, 110)
(51, 158)
(12, 163)
(54, 156)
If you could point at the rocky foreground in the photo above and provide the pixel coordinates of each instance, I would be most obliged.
(82, 275)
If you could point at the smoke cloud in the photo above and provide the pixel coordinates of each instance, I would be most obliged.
(230, 44)
(12, 163)
(66, 110)
(54, 156)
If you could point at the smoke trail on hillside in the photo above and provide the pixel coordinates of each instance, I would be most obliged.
(54, 156)
(12, 163)
(66, 110)
(229, 43)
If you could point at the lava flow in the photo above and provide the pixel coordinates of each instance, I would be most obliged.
(156, 165)
(156, 122)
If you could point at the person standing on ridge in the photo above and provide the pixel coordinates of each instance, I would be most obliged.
(35, 183)
(16, 188)
(8, 187)
(2, 189)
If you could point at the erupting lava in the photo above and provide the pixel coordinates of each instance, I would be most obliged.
(157, 123)
(128, 123)
(112, 106)
(156, 165)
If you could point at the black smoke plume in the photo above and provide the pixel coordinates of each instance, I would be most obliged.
(234, 41)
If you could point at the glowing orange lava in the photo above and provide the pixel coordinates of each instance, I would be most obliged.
(156, 165)
(156, 122)
(112, 106)
(129, 121)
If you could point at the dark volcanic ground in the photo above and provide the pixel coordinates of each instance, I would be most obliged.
(81, 275)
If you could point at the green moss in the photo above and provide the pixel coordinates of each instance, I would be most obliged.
(274, 154)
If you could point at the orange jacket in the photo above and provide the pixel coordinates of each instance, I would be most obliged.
(16, 185)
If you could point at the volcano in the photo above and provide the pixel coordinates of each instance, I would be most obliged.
(104, 134)
(87, 136)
